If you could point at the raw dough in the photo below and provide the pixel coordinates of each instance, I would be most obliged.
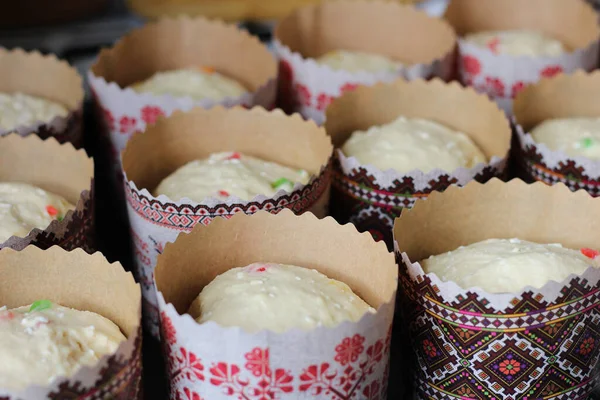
(19, 109)
(37, 347)
(197, 83)
(229, 174)
(518, 43)
(24, 207)
(277, 297)
(354, 61)
(574, 136)
(413, 144)
(507, 265)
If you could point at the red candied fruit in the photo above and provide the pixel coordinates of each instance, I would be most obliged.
(590, 253)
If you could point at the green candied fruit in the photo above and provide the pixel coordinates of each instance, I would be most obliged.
(280, 182)
(587, 142)
(40, 305)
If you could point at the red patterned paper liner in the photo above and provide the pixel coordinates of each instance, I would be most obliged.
(156, 221)
(308, 88)
(283, 366)
(537, 162)
(360, 198)
(541, 343)
(503, 76)
(67, 129)
(76, 230)
(119, 379)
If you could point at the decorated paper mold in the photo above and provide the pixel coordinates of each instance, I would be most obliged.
(425, 46)
(371, 198)
(536, 343)
(574, 23)
(564, 96)
(59, 169)
(171, 44)
(347, 361)
(78, 280)
(186, 136)
(47, 77)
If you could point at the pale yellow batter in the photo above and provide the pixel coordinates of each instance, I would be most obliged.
(18, 109)
(508, 265)
(229, 174)
(24, 207)
(51, 341)
(277, 297)
(574, 136)
(355, 61)
(197, 83)
(518, 43)
(413, 144)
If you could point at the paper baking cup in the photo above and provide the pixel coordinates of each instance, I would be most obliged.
(564, 96)
(171, 44)
(574, 23)
(371, 198)
(84, 282)
(424, 44)
(59, 169)
(465, 338)
(210, 361)
(173, 142)
(46, 77)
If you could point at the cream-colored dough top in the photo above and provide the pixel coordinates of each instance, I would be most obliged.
(355, 61)
(574, 136)
(277, 297)
(19, 109)
(413, 144)
(507, 265)
(24, 207)
(222, 175)
(39, 346)
(197, 83)
(518, 43)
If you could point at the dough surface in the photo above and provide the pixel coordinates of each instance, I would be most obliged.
(277, 297)
(19, 109)
(413, 144)
(227, 174)
(39, 346)
(507, 265)
(354, 61)
(518, 43)
(574, 136)
(24, 207)
(197, 83)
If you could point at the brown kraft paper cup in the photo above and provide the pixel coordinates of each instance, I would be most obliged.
(346, 362)
(465, 337)
(186, 136)
(424, 44)
(47, 77)
(563, 96)
(169, 44)
(78, 280)
(371, 198)
(59, 169)
(574, 23)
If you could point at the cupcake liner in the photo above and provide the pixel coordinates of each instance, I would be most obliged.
(464, 338)
(60, 169)
(79, 280)
(401, 32)
(47, 77)
(211, 361)
(184, 137)
(502, 76)
(172, 44)
(371, 198)
(563, 96)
